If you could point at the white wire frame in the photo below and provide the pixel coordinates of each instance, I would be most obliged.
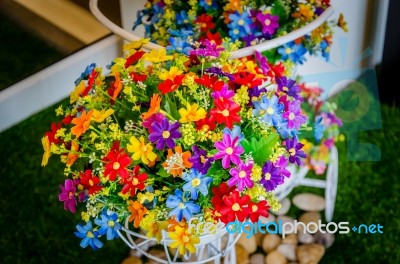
(240, 53)
(214, 248)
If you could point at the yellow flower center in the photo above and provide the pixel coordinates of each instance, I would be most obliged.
(203, 159)
(225, 112)
(241, 22)
(185, 239)
(229, 151)
(285, 89)
(166, 134)
(91, 182)
(116, 165)
(254, 208)
(242, 174)
(89, 234)
(181, 205)
(185, 21)
(70, 195)
(203, 25)
(195, 182)
(292, 152)
(144, 149)
(267, 176)
(288, 50)
(235, 31)
(267, 22)
(291, 116)
(235, 207)
(111, 223)
(135, 181)
(270, 110)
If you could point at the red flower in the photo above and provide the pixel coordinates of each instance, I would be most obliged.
(276, 70)
(214, 38)
(52, 133)
(134, 182)
(235, 207)
(168, 85)
(225, 112)
(90, 182)
(257, 210)
(205, 124)
(92, 77)
(210, 82)
(117, 161)
(67, 120)
(133, 58)
(247, 79)
(205, 22)
(137, 77)
(219, 193)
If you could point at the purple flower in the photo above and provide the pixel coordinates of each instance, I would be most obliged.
(262, 62)
(164, 133)
(331, 119)
(271, 176)
(288, 86)
(282, 163)
(199, 159)
(67, 195)
(249, 40)
(224, 93)
(158, 117)
(207, 49)
(218, 71)
(294, 116)
(241, 176)
(295, 152)
(269, 23)
(228, 150)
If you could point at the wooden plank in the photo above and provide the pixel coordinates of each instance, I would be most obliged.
(69, 17)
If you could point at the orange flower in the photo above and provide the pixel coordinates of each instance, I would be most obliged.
(117, 86)
(72, 156)
(137, 212)
(172, 223)
(81, 123)
(154, 106)
(175, 163)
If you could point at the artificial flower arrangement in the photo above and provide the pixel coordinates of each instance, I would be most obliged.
(244, 22)
(164, 139)
(324, 125)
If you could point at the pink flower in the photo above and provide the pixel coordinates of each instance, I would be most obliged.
(228, 150)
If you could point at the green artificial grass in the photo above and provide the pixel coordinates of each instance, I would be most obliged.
(21, 53)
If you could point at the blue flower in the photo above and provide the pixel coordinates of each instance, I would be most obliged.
(235, 132)
(158, 12)
(179, 45)
(239, 25)
(318, 128)
(196, 182)
(325, 49)
(182, 33)
(108, 225)
(86, 73)
(281, 125)
(208, 4)
(269, 109)
(90, 237)
(293, 52)
(181, 206)
(182, 18)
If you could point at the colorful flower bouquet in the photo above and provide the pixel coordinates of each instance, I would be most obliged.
(325, 128)
(166, 141)
(243, 22)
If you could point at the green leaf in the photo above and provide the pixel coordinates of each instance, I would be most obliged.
(261, 149)
(171, 108)
(163, 173)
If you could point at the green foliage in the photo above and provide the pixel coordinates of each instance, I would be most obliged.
(261, 149)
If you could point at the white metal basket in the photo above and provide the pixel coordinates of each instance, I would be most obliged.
(243, 52)
(214, 247)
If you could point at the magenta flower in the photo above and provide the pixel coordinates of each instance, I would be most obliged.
(207, 49)
(294, 116)
(241, 176)
(158, 117)
(269, 23)
(224, 93)
(67, 195)
(228, 150)
(282, 163)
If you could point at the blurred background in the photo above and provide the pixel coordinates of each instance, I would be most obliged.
(46, 44)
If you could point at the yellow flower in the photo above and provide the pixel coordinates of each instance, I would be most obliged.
(157, 56)
(155, 230)
(76, 93)
(342, 23)
(183, 240)
(46, 148)
(191, 113)
(171, 74)
(141, 150)
(100, 116)
(135, 45)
